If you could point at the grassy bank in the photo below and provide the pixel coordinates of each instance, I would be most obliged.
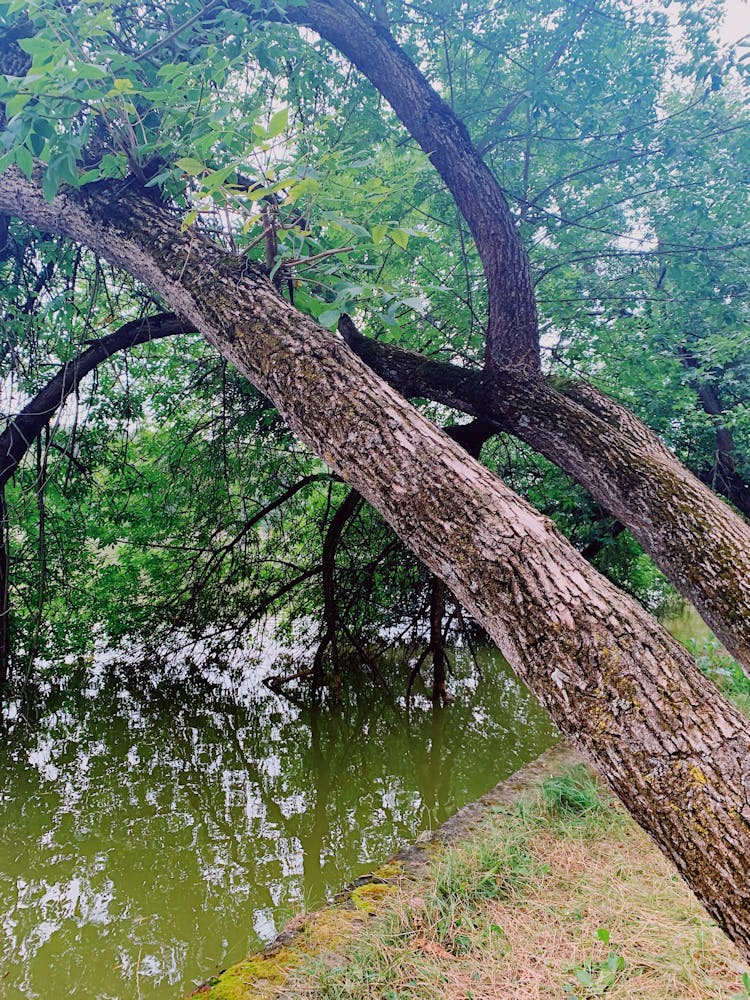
(560, 897)
(554, 893)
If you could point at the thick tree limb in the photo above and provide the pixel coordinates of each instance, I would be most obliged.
(672, 748)
(512, 333)
(698, 542)
(329, 640)
(23, 430)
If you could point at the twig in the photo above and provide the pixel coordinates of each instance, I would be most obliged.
(305, 261)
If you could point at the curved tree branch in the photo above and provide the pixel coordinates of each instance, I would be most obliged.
(23, 430)
(512, 329)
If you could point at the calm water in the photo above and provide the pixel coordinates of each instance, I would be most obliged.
(155, 828)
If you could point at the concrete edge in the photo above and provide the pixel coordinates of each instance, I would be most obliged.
(413, 860)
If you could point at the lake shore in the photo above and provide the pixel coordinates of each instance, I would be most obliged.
(543, 887)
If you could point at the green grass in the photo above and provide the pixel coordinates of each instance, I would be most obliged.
(560, 895)
(724, 671)
(573, 795)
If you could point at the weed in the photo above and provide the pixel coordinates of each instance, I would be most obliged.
(595, 978)
(573, 804)
(725, 672)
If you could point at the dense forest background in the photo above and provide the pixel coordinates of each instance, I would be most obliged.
(166, 500)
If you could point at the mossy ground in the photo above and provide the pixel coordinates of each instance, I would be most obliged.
(559, 895)
(325, 933)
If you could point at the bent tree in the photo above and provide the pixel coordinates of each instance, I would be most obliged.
(113, 180)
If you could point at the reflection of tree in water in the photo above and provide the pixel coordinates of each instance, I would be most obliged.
(160, 826)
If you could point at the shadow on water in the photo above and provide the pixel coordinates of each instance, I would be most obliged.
(159, 822)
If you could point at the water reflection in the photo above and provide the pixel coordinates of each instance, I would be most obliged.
(157, 827)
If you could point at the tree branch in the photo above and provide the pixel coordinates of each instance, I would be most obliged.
(21, 433)
(512, 329)
(611, 453)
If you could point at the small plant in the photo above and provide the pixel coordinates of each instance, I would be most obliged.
(594, 979)
(572, 794)
(745, 988)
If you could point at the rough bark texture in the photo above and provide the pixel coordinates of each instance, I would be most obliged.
(668, 743)
(622, 464)
(512, 336)
(698, 542)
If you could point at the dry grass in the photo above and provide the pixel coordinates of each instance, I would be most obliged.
(616, 884)
(564, 899)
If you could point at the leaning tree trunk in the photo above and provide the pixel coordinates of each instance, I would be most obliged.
(671, 747)
(702, 547)
(697, 541)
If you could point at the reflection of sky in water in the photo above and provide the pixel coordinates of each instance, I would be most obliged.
(156, 827)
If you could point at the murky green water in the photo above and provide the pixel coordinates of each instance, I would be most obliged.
(154, 829)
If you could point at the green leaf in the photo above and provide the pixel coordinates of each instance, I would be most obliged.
(88, 71)
(189, 219)
(123, 85)
(329, 318)
(217, 178)
(190, 166)
(25, 161)
(50, 185)
(36, 46)
(17, 103)
(378, 234)
(400, 237)
(603, 935)
(37, 143)
(415, 303)
(278, 123)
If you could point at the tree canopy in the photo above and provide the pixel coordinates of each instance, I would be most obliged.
(528, 214)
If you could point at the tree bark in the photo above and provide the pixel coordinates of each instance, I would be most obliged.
(329, 640)
(440, 694)
(698, 542)
(603, 446)
(512, 335)
(671, 747)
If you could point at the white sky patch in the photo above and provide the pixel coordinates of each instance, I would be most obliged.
(736, 24)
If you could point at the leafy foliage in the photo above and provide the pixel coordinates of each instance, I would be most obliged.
(619, 138)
